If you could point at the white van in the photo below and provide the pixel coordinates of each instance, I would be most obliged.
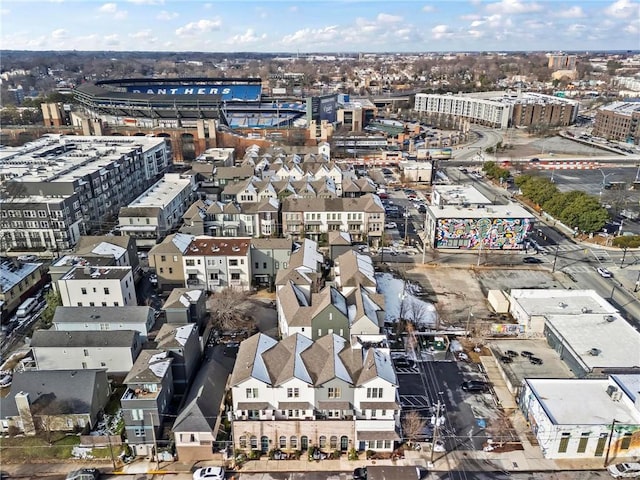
(624, 470)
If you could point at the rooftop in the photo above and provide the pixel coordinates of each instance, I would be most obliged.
(97, 273)
(561, 302)
(162, 193)
(218, 247)
(490, 211)
(459, 194)
(12, 273)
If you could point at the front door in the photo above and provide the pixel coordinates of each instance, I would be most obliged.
(344, 443)
(264, 444)
(304, 443)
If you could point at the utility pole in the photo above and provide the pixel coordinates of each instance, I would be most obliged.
(436, 425)
(555, 258)
(606, 458)
(406, 226)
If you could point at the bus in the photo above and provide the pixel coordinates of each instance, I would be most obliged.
(26, 307)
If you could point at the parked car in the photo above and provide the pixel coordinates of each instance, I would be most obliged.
(84, 474)
(535, 360)
(531, 260)
(360, 473)
(390, 225)
(624, 470)
(209, 473)
(527, 354)
(27, 258)
(511, 353)
(474, 386)
(506, 359)
(402, 362)
(603, 272)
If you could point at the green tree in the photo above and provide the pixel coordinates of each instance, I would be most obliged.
(46, 318)
(537, 189)
(627, 241)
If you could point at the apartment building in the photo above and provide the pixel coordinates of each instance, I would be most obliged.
(63, 187)
(17, 281)
(97, 286)
(618, 121)
(297, 393)
(157, 211)
(103, 319)
(363, 218)
(215, 263)
(166, 259)
(482, 111)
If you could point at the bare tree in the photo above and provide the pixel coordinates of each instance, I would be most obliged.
(228, 309)
(413, 426)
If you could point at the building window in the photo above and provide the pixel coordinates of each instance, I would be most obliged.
(283, 442)
(625, 443)
(106, 290)
(257, 265)
(163, 258)
(235, 276)
(233, 262)
(334, 392)
(374, 392)
(86, 352)
(170, 270)
(293, 392)
(564, 443)
(137, 414)
(333, 442)
(83, 290)
(264, 265)
(254, 442)
(190, 263)
(582, 444)
(243, 441)
(293, 442)
(92, 304)
(323, 441)
(252, 393)
(138, 431)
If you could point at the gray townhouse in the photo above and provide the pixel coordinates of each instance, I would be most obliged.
(140, 319)
(183, 345)
(268, 255)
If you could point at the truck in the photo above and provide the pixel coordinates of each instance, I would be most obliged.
(388, 472)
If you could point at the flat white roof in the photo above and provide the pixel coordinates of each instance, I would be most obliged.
(13, 273)
(542, 301)
(162, 192)
(564, 400)
(458, 194)
(51, 159)
(493, 211)
(599, 340)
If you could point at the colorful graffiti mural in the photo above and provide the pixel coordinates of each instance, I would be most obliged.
(492, 233)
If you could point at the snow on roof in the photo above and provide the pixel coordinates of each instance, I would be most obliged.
(12, 274)
(299, 369)
(259, 368)
(338, 300)
(377, 201)
(104, 248)
(157, 357)
(311, 257)
(183, 333)
(352, 313)
(365, 266)
(370, 307)
(184, 300)
(339, 368)
(159, 369)
(194, 295)
(182, 241)
(384, 365)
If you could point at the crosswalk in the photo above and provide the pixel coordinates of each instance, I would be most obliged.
(414, 401)
(551, 250)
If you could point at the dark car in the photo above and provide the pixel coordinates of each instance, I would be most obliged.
(474, 386)
(511, 353)
(534, 160)
(360, 473)
(524, 353)
(403, 362)
(506, 359)
(531, 260)
(535, 360)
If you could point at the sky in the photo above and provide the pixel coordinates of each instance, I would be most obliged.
(306, 26)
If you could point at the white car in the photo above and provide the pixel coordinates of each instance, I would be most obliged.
(390, 225)
(209, 473)
(604, 273)
(624, 470)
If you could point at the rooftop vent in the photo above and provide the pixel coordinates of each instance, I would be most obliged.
(562, 305)
(594, 352)
(609, 318)
(586, 310)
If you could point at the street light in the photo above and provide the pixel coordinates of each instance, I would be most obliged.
(604, 180)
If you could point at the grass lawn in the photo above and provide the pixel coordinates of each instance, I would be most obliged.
(24, 449)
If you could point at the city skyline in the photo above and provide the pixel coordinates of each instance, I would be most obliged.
(316, 27)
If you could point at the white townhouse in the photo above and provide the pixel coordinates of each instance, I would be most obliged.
(298, 393)
(98, 286)
(138, 318)
(215, 263)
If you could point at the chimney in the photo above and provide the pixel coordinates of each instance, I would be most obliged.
(24, 409)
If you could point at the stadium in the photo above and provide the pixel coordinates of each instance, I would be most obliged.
(181, 102)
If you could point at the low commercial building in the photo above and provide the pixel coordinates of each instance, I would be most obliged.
(564, 428)
(495, 227)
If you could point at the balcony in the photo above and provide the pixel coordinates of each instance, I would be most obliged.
(140, 394)
(195, 282)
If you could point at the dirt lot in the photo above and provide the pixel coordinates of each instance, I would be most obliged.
(524, 145)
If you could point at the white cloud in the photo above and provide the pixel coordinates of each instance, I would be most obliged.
(511, 7)
(59, 34)
(293, 8)
(112, 40)
(623, 9)
(309, 36)
(164, 15)
(108, 8)
(144, 35)
(4, 11)
(199, 27)
(440, 31)
(428, 8)
(573, 12)
(386, 18)
(247, 37)
(147, 2)
(476, 33)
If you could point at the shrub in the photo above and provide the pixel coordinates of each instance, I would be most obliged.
(353, 454)
(255, 454)
(370, 454)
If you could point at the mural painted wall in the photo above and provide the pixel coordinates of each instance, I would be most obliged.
(494, 233)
